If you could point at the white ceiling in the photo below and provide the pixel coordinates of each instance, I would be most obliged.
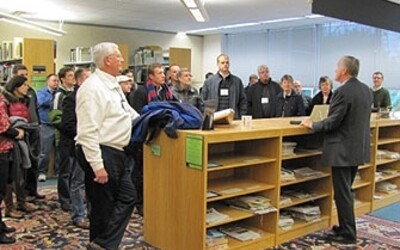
(163, 15)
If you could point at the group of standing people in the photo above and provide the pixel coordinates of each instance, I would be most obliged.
(94, 112)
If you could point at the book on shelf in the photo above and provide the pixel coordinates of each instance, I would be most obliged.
(215, 239)
(213, 216)
(211, 194)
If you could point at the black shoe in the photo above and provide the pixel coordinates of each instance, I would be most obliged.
(336, 229)
(4, 239)
(342, 240)
(7, 229)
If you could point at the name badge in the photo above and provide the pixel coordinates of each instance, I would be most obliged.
(224, 92)
(264, 100)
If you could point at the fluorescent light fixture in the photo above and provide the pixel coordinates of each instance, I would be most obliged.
(281, 20)
(30, 24)
(394, 1)
(190, 3)
(196, 9)
(241, 25)
(314, 16)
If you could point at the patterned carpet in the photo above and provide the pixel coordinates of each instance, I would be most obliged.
(372, 234)
(51, 228)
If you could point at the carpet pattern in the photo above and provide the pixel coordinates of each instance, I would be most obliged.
(51, 228)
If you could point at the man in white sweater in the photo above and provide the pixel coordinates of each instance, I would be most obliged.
(104, 120)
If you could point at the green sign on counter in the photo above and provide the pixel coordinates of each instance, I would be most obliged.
(194, 151)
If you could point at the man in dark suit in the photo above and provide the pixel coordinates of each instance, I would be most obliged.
(346, 142)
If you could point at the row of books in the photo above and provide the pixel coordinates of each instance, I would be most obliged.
(11, 50)
(81, 54)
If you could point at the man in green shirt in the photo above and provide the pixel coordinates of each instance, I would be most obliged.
(381, 94)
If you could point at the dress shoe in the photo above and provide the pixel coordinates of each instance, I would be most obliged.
(336, 229)
(94, 246)
(342, 240)
(4, 239)
(13, 214)
(7, 229)
(81, 224)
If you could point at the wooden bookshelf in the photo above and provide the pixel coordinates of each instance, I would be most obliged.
(233, 162)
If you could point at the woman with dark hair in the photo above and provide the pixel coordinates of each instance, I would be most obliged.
(288, 102)
(325, 94)
(15, 97)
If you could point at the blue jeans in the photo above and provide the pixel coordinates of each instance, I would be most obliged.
(47, 142)
(77, 192)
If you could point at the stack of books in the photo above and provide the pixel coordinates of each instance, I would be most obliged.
(284, 200)
(252, 203)
(216, 240)
(285, 221)
(287, 175)
(386, 187)
(305, 212)
(240, 233)
(307, 172)
(288, 148)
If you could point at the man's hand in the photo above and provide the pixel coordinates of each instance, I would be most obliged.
(101, 176)
(307, 123)
(21, 134)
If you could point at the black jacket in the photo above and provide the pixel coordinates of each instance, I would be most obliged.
(292, 105)
(318, 100)
(68, 122)
(255, 94)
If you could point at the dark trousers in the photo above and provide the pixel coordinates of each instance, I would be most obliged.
(137, 173)
(111, 203)
(31, 178)
(65, 150)
(32, 173)
(342, 178)
(4, 169)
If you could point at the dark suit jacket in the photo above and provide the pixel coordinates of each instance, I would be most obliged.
(347, 128)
